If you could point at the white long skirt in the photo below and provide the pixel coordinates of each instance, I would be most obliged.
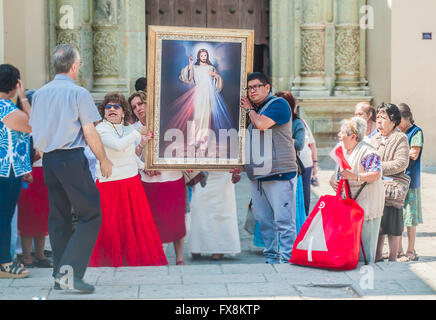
(214, 222)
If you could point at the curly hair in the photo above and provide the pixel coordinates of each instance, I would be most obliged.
(392, 111)
(118, 98)
(141, 95)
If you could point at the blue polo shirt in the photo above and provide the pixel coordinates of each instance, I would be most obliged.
(59, 110)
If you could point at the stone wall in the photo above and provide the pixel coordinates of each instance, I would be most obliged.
(323, 64)
(110, 35)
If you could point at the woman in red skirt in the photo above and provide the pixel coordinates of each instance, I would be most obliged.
(128, 235)
(33, 210)
(165, 190)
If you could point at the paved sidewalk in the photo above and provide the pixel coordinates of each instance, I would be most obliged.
(246, 276)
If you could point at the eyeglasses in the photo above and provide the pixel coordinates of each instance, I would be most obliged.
(115, 106)
(255, 87)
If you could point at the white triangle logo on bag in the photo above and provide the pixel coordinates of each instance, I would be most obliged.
(314, 239)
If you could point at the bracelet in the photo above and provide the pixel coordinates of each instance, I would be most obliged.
(314, 160)
(358, 177)
(25, 99)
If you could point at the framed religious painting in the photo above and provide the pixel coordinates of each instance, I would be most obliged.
(196, 78)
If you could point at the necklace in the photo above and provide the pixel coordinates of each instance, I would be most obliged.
(122, 132)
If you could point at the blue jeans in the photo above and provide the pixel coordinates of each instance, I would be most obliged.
(274, 207)
(10, 189)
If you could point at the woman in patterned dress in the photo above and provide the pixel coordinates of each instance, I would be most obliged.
(412, 211)
(365, 164)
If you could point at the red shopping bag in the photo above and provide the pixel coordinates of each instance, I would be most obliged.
(330, 237)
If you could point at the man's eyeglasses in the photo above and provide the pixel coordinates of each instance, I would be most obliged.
(255, 87)
(115, 106)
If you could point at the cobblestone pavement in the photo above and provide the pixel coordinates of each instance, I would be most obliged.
(246, 276)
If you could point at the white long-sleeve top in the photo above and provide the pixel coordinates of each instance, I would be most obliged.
(119, 150)
(165, 176)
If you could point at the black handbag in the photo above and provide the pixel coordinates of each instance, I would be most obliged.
(300, 165)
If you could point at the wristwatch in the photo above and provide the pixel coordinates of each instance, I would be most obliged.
(248, 111)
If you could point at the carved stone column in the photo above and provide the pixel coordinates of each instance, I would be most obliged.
(282, 44)
(105, 48)
(70, 22)
(135, 35)
(350, 50)
(310, 48)
(119, 46)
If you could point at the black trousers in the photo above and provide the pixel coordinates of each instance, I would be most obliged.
(70, 185)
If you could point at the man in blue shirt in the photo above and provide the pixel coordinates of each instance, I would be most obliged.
(62, 120)
(273, 192)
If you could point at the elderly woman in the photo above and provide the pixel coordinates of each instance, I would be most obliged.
(365, 167)
(367, 112)
(412, 211)
(33, 211)
(165, 190)
(15, 161)
(128, 235)
(393, 148)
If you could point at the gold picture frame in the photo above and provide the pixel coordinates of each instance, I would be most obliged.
(171, 99)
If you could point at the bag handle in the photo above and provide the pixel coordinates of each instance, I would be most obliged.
(343, 182)
(348, 193)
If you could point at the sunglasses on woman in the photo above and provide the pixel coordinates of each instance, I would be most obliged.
(115, 106)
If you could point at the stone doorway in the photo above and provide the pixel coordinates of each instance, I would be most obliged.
(229, 14)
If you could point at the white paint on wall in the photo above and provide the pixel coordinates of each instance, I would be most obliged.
(414, 67)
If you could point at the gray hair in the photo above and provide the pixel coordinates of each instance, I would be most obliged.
(355, 125)
(406, 113)
(64, 56)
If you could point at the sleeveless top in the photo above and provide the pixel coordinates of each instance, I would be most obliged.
(414, 168)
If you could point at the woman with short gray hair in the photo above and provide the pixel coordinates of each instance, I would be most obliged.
(365, 167)
(393, 147)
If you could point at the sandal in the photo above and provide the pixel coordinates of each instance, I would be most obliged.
(43, 263)
(409, 256)
(13, 270)
(401, 254)
(180, 263)
(26, 265)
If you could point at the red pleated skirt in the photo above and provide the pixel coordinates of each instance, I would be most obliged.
(128, 235)
(33, 207)
(167, 204)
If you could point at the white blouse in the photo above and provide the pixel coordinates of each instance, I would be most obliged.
(119, 144)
